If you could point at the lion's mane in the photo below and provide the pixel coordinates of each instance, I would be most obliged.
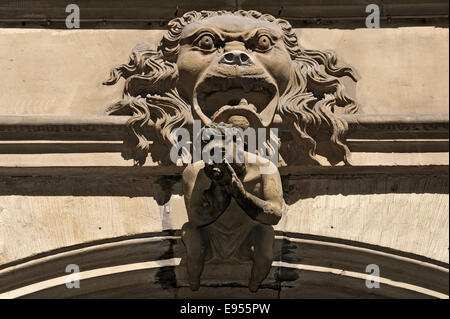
(309, 105)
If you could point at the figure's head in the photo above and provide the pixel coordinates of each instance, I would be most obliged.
(220, 142)
(240, 68)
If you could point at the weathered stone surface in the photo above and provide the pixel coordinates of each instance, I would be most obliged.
(54, 196)
(390, 211)
(407, 213)
(401, 70)
(39, 83)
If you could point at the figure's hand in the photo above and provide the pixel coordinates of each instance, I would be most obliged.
(235, 186)
(218, 173)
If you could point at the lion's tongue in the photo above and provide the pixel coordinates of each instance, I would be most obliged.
(239, 121)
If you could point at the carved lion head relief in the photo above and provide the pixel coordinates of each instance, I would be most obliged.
(244, 68)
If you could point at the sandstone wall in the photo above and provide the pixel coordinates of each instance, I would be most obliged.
(403, 70)
(59, 72)
(406, 213)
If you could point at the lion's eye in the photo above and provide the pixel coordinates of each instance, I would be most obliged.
(264, 43)
(206, 42)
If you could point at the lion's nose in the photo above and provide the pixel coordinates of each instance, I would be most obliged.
(236, 58)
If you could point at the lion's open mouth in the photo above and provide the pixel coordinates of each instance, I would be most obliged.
(217, 92)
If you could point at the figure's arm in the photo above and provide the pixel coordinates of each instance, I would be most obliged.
(204, 204)
(268, 210)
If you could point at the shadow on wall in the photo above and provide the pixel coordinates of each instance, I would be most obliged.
(302, 187)
(162, 188)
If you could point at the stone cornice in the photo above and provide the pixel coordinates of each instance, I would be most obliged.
(362, 126)
(92, 145)
(155, 14)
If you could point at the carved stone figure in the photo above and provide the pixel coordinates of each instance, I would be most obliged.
(233, 70)
(231, 207)
(209, 60)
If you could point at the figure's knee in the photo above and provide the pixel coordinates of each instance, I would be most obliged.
(188, 226)
(189, 230)
(262, 246)
(192, 237)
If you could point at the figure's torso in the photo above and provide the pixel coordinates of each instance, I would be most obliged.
(228, 233)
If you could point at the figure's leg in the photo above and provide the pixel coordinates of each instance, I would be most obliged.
(262, 237)
(195, 242)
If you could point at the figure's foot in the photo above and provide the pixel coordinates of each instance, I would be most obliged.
(194, 285)
(253, 286)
